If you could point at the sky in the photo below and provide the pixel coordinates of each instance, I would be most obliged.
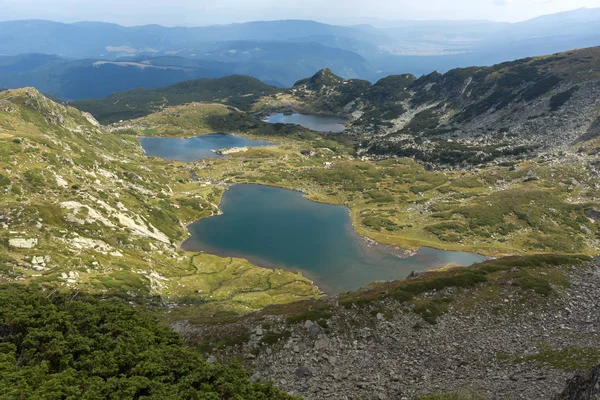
(203, 12)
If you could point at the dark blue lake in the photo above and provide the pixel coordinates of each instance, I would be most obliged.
(196, 148)
(319, 123)
(278, 228)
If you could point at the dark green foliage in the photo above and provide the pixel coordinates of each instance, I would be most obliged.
(4, 181)
(423, 122)
(271, 338)
(547, 260)
(331, 93)
(400, 295)
(347, 175)
(379, 196)
(431, 309)
(468, 278)
(312, 315)
(324, 77)
(449, 231)
(65, 346)
(236, 90)
(383, 99)
(378, 222)
(541, 87)
(389, 89)
(541, 286)
(35, 177)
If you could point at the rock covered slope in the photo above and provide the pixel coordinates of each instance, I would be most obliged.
(84, 208)
(509, 329)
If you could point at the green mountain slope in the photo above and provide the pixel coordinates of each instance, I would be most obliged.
(83, 208)
(237, 91)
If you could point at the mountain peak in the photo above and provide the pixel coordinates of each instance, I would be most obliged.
(323, 77)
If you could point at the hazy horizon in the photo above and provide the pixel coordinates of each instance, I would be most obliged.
(344, 12)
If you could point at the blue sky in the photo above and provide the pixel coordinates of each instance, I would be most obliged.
(202, 12)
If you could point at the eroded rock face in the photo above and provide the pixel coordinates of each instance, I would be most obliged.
(583, 386)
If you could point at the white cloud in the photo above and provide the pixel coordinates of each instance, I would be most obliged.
(207, 12)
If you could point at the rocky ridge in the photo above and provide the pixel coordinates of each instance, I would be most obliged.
(469, 115)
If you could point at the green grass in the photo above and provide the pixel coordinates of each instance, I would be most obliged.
(271, 338)
(315, 315)
(570, 358)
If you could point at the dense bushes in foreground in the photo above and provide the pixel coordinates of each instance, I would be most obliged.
(70, 346)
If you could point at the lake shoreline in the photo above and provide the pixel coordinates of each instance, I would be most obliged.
(386, 262)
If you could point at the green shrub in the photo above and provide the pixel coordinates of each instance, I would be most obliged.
(463, 279)
(431, 309)
(377, 222)
(558, 100)
(541, 286)
(271, 338)
(4, 181)
(312, 315)
(65, 345)
(35, 177)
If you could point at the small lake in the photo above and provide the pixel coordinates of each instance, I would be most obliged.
(279, 228)
(196, 148)
(319, 123)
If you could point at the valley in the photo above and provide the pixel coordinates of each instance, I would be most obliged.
(424, 167)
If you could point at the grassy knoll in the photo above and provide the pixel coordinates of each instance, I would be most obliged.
(236, 91)
(201, 118)
(540, 274)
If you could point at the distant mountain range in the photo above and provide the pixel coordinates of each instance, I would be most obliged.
(280, 65)
(91, 59)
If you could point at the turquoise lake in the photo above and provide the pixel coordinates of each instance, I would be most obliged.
(196, 148)
(319, 123)
(279, 228)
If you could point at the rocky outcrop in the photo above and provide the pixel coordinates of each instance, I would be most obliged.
(231, 150)
(23, 243)
(584, 386)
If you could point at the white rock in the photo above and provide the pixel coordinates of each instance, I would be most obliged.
(23, 243)
(61, 182)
